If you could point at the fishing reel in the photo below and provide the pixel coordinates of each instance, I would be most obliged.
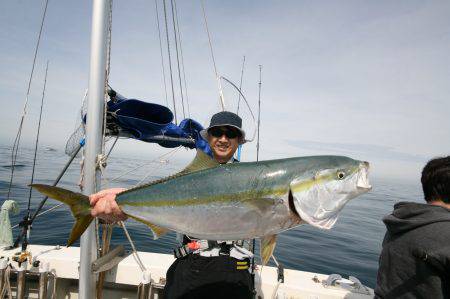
(22, 257)
(26, 225)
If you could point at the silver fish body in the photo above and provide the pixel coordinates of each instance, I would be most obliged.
(249, 200)
(235, 201)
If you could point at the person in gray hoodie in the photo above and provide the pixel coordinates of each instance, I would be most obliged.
(415, 259)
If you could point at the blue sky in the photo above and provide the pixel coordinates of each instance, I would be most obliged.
(367, 79)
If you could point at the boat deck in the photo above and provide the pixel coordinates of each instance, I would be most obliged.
(121, 281)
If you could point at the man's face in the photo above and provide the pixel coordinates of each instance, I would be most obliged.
(223, 142)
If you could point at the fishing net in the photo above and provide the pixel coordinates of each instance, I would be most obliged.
(6, 238)
(80, 131)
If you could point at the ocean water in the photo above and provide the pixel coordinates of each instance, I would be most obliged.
(351, 247)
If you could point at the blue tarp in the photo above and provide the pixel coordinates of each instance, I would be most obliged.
(151, 122)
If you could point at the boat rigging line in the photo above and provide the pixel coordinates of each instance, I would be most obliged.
(38, 212)
(240, 84)
(108, 54)
(161, 52)
(16, 142)
(112, 147)
(26, 224)
(146, 176)
(182, 59)
(135, 252)
(107, 87)
(219, 84)
(177, 51)
(170, 61)
(142, 165)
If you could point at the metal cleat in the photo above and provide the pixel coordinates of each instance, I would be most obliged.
(109, 260)
(332, 280)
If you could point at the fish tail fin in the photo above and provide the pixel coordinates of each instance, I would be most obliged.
(78, 203)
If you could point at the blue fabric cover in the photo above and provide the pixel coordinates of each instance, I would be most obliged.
(145, 120)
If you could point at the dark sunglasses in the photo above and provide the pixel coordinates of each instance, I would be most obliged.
(219, 132)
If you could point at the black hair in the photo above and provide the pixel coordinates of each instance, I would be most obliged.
(436, 180)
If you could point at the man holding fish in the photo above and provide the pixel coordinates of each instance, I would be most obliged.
(214, 200)
(212, 269)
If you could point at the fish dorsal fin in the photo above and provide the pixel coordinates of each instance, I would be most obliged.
(201, 161)
(268, 244)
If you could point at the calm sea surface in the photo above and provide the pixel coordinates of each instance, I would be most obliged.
(352, 247)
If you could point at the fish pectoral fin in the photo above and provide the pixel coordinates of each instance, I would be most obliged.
(261, 205)
(200, 162)
(157, 231)
(268, 244)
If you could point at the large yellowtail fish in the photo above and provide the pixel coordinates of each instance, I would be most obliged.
(236, 201)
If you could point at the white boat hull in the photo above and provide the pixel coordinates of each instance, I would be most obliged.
(122, 280)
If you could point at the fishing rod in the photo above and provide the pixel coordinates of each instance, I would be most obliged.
(60, 175)
(63, 171)
(26, 223)
(219, 83)
(239, 150)
(257, 159)
(259, 112)
(16, 143)
(28, 220)
(240, 84)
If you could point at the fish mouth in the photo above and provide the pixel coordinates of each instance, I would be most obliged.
(362, 182)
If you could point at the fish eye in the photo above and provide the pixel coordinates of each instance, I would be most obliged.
(340, 175)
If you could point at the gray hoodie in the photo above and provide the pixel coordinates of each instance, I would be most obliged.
(415, 259)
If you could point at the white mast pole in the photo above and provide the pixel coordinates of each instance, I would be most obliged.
(94, 123)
